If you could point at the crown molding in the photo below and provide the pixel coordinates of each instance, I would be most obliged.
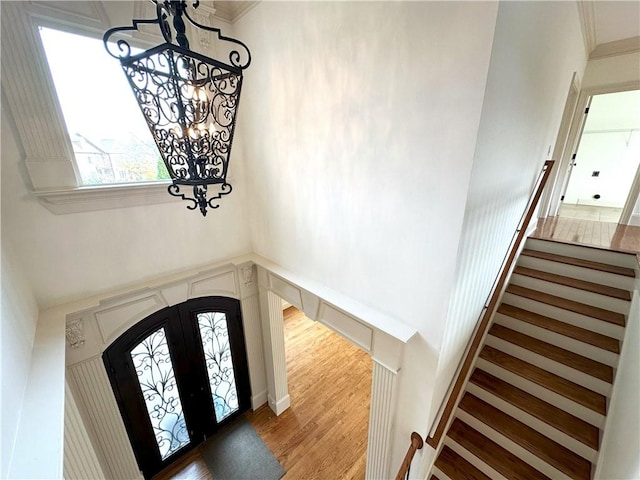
(230, 11)
(618, 47)
(587, 13)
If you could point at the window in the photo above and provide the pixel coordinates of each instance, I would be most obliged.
(110, 139)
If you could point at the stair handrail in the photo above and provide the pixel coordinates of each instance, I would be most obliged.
(464, 367)
(416, 444)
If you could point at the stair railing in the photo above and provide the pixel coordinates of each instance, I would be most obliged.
(416, 444)
(450, 401)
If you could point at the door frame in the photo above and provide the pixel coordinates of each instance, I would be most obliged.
(551, 193)
(573, 142)
(188, 361)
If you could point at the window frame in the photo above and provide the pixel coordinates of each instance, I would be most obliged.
(35, 110)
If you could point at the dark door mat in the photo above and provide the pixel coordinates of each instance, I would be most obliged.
(238, 453)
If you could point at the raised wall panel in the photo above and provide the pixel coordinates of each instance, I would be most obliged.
(175, 294)
(286, 291)
(220, 284)
(346, 325)
(112, 321)
(99, 410)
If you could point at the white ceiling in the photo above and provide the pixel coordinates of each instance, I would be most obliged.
(610, 27)
(615, 20)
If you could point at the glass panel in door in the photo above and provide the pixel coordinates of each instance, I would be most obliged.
(155, 374)
(214, 334)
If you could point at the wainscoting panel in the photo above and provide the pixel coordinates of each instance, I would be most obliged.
(99, 410)
(255, 354)
(383, 386)
(80, 460)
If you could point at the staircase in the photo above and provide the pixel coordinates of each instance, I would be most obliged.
(537, 399)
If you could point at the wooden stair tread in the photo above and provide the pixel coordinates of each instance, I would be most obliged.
(491, 453)
(575, 283)
(581, 308)
(562, 328)
(555, 383)
(544, 448)
(557, 354)
(578, 262)
(457, 468)
(559, 419)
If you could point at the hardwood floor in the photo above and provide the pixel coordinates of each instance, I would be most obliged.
(612, 236)
(323, 435)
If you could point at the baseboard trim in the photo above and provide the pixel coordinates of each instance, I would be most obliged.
(281, 405)
(258, 399)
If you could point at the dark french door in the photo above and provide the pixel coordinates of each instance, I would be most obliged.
(179, 376)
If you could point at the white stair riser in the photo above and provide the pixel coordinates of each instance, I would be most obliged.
(576, 319)
(568, 373)
(473, 460)
(438, 473)
(570, 293)
(520, 452)
(566, 404)
(580, 273)
(595, 353)
(544, 428)
(584, 253)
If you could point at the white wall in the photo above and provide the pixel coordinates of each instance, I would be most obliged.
(43, 406)
(359, 129)
(536, 48)
(74, 256)
(17, 333)
(619, 451)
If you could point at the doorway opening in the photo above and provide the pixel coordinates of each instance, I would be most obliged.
(606, 162)
(323, 434)
(179, 376)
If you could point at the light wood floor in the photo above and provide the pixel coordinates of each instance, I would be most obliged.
(323, 435)
(611, 236)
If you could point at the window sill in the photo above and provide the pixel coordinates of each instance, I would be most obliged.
(104, 197)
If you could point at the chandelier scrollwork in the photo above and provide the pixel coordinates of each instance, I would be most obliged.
(188, 100)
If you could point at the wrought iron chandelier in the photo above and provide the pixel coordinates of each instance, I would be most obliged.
(189, 101)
